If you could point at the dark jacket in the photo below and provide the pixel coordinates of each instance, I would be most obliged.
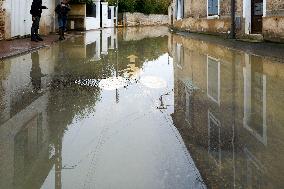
(62, 11)
(36, 8)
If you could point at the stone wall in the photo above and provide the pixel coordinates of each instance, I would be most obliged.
(273, 28)
(203, 25)
(273, 22)
(2, 21)
(139, 19)
(275, 7)
(139, 33)
(196, 19)
(198, 9)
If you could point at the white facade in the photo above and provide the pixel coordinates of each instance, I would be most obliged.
(111, 20)
(105, 20)
(108, 21)
(109, 40)
(19, 20)
(94, 22)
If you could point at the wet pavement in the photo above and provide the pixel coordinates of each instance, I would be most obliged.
(129, 109)
(21, 46)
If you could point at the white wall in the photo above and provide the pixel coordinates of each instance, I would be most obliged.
(94, 22)
(19, 20)
(48, 20)
(104, 14)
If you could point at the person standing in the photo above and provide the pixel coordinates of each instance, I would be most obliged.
(62, 10)
(36, 10)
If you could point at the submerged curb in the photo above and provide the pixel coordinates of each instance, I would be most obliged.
(18, 53)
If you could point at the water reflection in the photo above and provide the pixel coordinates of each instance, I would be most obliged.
(53, 113)
(64, 123)
(229, 110)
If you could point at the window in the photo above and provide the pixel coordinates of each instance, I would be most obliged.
(115, 11)
(255, 104)
(109, 42)
(94, 10)
(179, 9)
(254, 171)
(214, 142)
(213, 79)
(91, 11)
(109, 13)
(179, 55)
(213, 8)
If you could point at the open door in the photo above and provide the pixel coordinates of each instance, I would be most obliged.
(256, 16)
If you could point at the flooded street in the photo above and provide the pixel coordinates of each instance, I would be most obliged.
(141, 108)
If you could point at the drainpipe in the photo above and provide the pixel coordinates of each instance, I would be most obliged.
(233, 16)
(116, 13)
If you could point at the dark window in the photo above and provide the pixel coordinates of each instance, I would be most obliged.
(94, 13)
(92, 10)
(109, 13)
(109, 42)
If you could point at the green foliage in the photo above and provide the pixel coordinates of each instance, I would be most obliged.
(81, 1)
(143, 6)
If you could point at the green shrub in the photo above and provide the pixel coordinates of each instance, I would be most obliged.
(143, 6)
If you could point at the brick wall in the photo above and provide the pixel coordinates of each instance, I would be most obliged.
(2, 20)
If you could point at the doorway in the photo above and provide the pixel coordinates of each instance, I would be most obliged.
(21, 20)
(256, 16)
(179, 9)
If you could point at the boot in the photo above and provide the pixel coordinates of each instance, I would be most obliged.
(37, 36)
(61, 34)
(33, 36)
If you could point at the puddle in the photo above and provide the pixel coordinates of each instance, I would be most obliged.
(141, 109)
(153, 82)
(113, 83)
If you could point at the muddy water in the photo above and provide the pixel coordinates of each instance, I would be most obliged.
(133, 109)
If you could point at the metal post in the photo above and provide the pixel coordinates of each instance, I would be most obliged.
(233, 16)
(116, 13)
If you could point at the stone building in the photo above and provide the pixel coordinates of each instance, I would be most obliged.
(228, 113)
(253, 18)
(2, 20)
(25, 135)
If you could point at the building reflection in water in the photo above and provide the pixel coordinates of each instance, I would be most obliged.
(35, 73)
(39, 100)
(229, 111)
(24, 131)
(27, 138)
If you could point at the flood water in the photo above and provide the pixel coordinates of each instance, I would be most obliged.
(141, 108)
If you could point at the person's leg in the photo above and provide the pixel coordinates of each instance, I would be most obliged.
(60, 24)
(64, 22)
(33, 30)
(37, 28)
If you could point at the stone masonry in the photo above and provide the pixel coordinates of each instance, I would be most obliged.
(2, 20)
(195, 19)
(139, 19)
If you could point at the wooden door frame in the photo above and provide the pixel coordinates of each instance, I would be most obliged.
(247, 8)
